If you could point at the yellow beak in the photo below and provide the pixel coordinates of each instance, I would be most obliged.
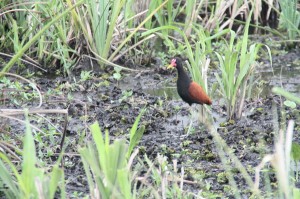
(170, 66)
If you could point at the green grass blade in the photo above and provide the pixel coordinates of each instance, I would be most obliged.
(135, 135)
(286, 94)
(98, 138)
(245, 41)
(135, 140)
(7, 179)
(29, 171)
(117, 7)
(89, 163)
(56, 177)
(125, 187)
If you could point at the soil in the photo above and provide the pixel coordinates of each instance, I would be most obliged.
(116, 104)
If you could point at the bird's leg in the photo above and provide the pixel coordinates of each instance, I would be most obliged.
(192, 111)
(182, 128)
(184, 135)
(178, 127)
(202, 114)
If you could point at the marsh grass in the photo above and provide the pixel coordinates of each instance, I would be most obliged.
(135, 134)
(149, 17)
(107, 165)
(101, 32)
(52, 47)
(108, 27)
(237, 65)
(280, 161)
(53, 40)
(290, 18)
(27, 44)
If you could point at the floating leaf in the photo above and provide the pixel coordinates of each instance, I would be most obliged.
(290, 104)
(117, 76)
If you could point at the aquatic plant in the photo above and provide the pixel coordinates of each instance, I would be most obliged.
(107, 165)
(290, 18)
(237, 64)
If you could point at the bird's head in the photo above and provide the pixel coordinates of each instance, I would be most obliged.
(175, 62)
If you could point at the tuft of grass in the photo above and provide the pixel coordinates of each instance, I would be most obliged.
(149, 17)
(107, 164)
(290, 18)
(103, 16)
(237, 64)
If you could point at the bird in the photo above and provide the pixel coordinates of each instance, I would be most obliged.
(188, 90)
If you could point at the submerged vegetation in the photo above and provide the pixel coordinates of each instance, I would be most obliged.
(70, 128)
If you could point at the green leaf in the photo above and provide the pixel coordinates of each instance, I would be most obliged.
(290, 104)
(55, 177)
(7, 179)
(29, 171)
(125, 187)
(100, 145)
(117, 76)
(295, 151)
(135, 135)
(135, 140)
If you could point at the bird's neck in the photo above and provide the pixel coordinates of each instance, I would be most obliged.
(182, 75)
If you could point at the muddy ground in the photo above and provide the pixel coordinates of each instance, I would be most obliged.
(116, 104)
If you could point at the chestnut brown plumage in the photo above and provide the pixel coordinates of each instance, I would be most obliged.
(188, 90)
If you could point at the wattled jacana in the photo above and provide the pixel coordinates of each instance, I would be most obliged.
(188, 90)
